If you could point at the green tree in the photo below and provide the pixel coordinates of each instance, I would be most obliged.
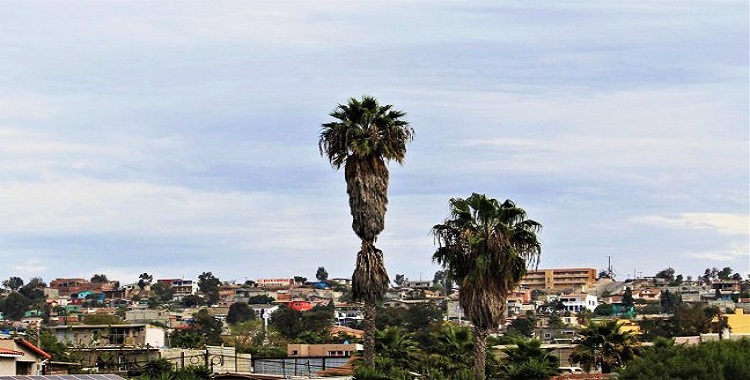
(363, 137)
(666, 274)
(208, 284)
(240, 312)
(529, 361)
(523, 326)
(99, 278)
(486, 247)
(14, 306)
(163, 292)
(627, 298)
(718, 360)
(287, 321)
(260, 300)
(603, 345)
(144, 280)
(204, 330)
(396, 349)
(321, 274)
(13, 283)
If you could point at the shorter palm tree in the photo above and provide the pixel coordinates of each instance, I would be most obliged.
(486, 247)
(604, 345)
(529, 361)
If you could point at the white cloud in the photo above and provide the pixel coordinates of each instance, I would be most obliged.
(735, 251)
(725, 224)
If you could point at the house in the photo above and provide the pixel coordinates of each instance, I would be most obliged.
(739, 322)
(419, 285)
(297, 304)
(346, 314)
(330, 350)
(147, 316)
(182, 288)
(574, 303)
(99, 336)
(274, 283)
(21, 357)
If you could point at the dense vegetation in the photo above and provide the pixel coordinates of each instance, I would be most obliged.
(718, 360)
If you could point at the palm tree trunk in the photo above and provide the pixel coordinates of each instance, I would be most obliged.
(369, 339)
(480, 352)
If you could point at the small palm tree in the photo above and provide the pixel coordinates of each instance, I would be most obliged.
(486, 247)
(364, 136)
(604, 345)
(529, 361)
(396, 348)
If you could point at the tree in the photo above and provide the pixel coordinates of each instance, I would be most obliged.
(321, 274)
(666, 274)
(396, 350)
(720, 360)
(240, 312)
(528, 360)
(604, 345)
(208, 284)
(364, 136)
(725, 273)
(13, 283)
(14, 306)
(300, 279)
(485, 246)
(260, 300)
(99, 278)
(627, 298)
(163, 292)
(523, 326)
(144, 280)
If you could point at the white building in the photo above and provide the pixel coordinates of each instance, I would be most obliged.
(574, 303)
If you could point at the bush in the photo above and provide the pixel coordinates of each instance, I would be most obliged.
(719, 360)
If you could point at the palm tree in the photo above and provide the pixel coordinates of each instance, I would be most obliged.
(528, 360)
(486, 247)
(364, 136)
(604, 345)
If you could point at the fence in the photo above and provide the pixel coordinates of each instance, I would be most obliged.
(307, 366)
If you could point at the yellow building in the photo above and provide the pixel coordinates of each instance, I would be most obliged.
(739, 322)
(577, 279)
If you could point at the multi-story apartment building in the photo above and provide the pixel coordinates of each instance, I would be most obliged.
(182, 288)
(575, 279)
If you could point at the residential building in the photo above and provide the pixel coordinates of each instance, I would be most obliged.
(420, 285)
(739, 322)
(274, 283)
(331, 350)
(574, 303)
(562, 279)
(182, 288)
(98, 336)
(20, 357)
(147, 316)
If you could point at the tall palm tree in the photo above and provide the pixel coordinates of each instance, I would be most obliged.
(604, 345)
(486, 247)
(364, 136)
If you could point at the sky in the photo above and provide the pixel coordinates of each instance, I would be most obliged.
(177, 138)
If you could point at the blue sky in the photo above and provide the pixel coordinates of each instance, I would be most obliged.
(181, 137)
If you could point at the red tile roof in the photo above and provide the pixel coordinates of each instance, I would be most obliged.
(31, 347)
(5, 351)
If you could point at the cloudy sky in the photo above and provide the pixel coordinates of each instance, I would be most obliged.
(176, 138)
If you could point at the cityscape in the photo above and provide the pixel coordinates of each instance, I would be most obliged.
(374, 190)
(311, 327)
